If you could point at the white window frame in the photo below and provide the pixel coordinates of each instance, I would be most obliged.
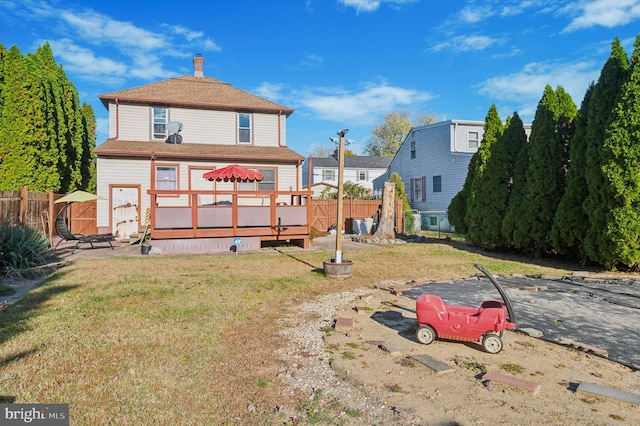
(328, 174)
(473, 139)
(366, 175)
(244, 132)
(171, 177)
(160, 121)
(413, 150)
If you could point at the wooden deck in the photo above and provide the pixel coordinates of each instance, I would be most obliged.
(266, 215)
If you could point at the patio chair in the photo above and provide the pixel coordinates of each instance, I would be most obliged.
(63, 231)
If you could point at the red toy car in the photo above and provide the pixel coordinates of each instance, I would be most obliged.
(485, 324)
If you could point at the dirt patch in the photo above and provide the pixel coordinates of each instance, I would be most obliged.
(372, 369)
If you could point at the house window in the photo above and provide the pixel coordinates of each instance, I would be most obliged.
(417, 189)
(244, 128)
(328, 175)
(167, 177)
(437, 184)
(159, 123)
(363, 175)
(413, 150)
(473, 140)
(268, 182)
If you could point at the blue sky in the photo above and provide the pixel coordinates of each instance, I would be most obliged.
(338, 63)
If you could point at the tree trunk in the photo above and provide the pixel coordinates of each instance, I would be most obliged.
(386, 224)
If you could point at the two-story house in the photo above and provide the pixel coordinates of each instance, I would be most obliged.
(163, 138)
(433, 162)
(361, 170)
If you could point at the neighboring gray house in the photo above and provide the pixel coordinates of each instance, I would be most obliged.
(433, 162)
(361, 170)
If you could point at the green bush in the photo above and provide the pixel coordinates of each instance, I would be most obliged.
(21, 248)
(409, 222)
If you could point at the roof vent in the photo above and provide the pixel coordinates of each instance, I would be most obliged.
(174, 127)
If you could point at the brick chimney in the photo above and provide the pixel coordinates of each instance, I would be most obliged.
(198, 65)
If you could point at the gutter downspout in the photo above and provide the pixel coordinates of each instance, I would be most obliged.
(279, 131)
(117, 135)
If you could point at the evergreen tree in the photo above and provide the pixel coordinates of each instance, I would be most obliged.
(457, 210)
(19, 124)
(598, 203)
(571, 222)
(463, 200)
(480, 203)
(548, 159)
(400, 193)
(621, 168)
(47, 140)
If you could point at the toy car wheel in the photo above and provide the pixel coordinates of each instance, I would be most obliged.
(425, 334)
(492, 343)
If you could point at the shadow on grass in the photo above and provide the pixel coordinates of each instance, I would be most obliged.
(15, 317)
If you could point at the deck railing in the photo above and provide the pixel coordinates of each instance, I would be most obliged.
(270, 215)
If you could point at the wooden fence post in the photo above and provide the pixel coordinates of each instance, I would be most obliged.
(24, 202)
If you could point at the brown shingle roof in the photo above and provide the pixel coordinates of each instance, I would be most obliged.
(202, 92)
(167, 151)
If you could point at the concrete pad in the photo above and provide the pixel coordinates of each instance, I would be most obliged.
(343, 324)
(531, 332)
(532, 387)
(388, 347)
(438, 366)
(632, 398)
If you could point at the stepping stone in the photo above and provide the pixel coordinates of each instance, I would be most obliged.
(343, 324)
(438, 366)
(512, 381)
(594, 389)
(388, 347)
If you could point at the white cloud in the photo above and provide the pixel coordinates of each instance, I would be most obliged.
(371, 5)
(101, 30)
(360, 107)
(467, 43)
(475, 14)
(605, 13)
(308, 62)
(523, 89)
(84, 62)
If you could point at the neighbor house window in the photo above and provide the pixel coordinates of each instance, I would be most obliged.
(417, 189)
(413, 150)
(328, 175)
(437, 184)
(244, 128)
(167, 177)
(363, 175)
(159, 123)
(474, 140)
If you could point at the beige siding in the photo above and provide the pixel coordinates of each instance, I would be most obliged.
(206, 127)
(135, 123)
(199, 126)
(265, 130)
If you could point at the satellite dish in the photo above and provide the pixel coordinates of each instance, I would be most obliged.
(174, 126)
(174, 138)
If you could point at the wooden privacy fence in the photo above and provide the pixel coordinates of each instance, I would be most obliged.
(38, 211)
(325, 212)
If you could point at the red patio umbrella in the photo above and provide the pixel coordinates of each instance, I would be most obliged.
(233, 173)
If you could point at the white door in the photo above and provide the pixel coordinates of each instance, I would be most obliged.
(125, 214)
